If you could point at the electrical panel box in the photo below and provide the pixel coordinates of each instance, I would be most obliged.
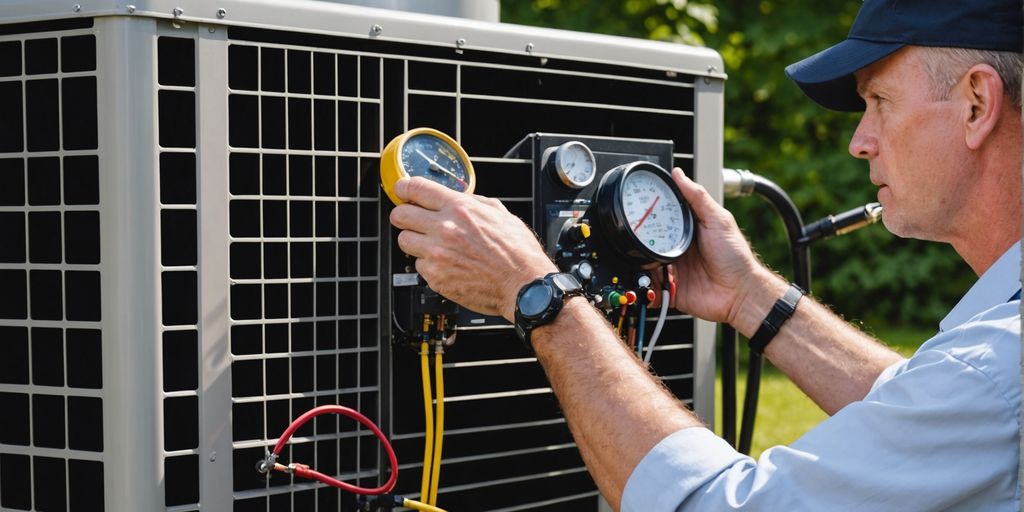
(194, 249)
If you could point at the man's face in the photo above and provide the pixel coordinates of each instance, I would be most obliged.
(910, 140)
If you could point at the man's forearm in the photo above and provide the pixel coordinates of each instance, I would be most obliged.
(830, 360)
(616, 410)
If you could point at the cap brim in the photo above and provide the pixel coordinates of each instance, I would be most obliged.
(827, 76)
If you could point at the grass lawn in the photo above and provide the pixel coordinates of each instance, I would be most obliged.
(784, 413)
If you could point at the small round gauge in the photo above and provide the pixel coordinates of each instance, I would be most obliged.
(427, 153)
(642, 213)
(575, 164)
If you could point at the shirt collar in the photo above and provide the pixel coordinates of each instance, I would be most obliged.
(997, 285)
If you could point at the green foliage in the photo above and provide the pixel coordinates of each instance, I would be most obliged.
(774, 130)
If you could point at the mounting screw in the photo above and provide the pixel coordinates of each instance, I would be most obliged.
(178, 11)
(460, 42)
(376, 30)
(711, 70)
(213, 456)
(131, 9)
(77, 8)
(529, 47)
(222, 12)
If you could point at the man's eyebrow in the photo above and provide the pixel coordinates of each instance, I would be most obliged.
(862, 85)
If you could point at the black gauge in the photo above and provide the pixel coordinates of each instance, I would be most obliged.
(642, 213)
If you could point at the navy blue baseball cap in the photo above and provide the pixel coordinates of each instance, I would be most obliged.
(884, 26)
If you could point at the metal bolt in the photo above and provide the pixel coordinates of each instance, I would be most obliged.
(213, 456)
(529, 48)
(711, 70)
(222, 12)
(77, 8)
(460, 42)
(131, 9)
(178, 11)
(376, 30)
(212, 30)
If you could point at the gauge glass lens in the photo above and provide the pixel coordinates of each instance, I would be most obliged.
(654, 214)
(430, 157)
(575, 164)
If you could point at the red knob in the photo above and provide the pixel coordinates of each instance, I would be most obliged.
(630, 297)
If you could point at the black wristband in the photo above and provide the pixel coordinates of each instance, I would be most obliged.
(781, 311)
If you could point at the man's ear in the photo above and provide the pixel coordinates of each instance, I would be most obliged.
(983, 90)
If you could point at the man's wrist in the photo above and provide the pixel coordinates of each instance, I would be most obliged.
(757, 300)
(516, 281)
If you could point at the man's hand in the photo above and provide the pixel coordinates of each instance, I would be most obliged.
(469, 249)
(714, 276)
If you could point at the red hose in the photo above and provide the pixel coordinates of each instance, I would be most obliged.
(305, 471)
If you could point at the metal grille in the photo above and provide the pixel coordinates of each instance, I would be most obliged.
(331, 100)
(51, 378)
(246, 258)
(179, 275)
(305, 135)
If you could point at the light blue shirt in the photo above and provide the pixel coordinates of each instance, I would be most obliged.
(938, 431)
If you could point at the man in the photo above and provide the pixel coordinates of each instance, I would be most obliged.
(941, 132)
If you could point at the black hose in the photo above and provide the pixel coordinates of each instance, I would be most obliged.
(800, 256)
(801, 260)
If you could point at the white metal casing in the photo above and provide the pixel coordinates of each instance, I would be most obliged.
(134, 279)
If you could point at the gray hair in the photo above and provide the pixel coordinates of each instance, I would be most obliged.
(946, 66)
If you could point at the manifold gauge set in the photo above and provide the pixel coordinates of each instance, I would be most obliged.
(605, 208)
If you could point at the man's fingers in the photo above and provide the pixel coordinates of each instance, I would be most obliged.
(413, 217)
(704, 206)
(414, 244)
(424, 192)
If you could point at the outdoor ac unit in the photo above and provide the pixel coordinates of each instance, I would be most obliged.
(194, 249)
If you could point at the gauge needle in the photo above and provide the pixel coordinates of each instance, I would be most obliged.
(434, 166)
(648, 212)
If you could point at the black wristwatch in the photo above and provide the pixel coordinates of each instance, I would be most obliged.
(539, 302)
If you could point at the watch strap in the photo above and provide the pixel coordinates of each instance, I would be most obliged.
(524, 326)
(781, 311)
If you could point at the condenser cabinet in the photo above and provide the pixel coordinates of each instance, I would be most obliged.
(194, 248)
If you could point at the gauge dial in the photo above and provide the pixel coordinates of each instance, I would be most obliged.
(642, 213)
(575, 164)
(653, 214)
(427, 153)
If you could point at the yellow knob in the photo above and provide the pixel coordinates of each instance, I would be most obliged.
(585, 230)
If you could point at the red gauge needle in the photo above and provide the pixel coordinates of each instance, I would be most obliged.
(648, 212)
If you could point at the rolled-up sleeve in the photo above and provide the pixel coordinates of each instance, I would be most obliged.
(939, 434)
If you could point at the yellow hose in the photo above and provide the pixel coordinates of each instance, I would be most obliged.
(439, 430)
(428, 421)
(415, 505)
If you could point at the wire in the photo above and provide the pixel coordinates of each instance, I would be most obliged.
(622, 316)
(304, 471)
(665, 294)
(439, 427)
(428, 421)
(640, 328)
(415, 505)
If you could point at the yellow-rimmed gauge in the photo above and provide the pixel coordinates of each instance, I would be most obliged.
(430, 154)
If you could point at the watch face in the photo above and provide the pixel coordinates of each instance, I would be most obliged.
(535, 299)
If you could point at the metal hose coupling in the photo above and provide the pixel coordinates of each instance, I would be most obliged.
(737, 182)
(842, 223)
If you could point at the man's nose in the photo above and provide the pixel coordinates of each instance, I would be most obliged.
(863, 144)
